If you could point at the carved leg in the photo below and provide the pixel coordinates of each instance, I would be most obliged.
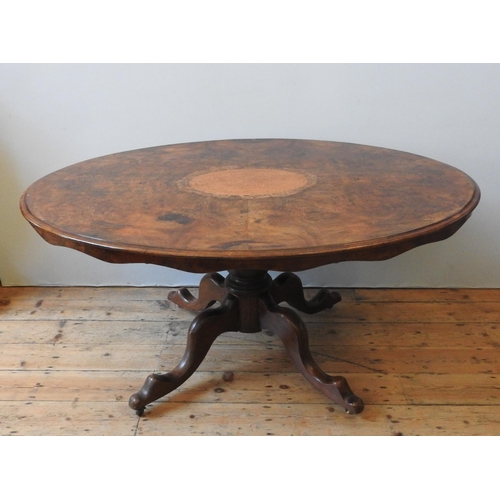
(211, 290)
(292, 331)
(287, 287)
(204, 329)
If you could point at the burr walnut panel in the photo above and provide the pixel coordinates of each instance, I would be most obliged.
(284, 205)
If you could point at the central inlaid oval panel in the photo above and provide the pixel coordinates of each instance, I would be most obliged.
(248, 182)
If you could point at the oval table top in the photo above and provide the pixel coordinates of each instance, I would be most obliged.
(271, 204)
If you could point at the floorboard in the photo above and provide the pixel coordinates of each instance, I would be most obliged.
(425, 362)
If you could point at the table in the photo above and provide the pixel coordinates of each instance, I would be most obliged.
(249, 207)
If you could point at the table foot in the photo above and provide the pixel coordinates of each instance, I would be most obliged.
(291, 329)
(211, 290)
(249, 306)
(287, 287)
(205, 328)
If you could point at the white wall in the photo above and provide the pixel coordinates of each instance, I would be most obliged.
(52, 116)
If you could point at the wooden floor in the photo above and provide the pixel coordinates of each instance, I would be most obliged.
(425, 362)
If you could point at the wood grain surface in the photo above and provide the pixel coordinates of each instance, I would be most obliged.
(425, 361)
(274, 204)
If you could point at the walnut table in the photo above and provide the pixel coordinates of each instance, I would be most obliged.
(249, 207)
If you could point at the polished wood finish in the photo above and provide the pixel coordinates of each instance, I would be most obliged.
(356, 203)
(205, 328)
(250, 307)
(211, 289)
(425, 361)
(287, 287)
(249, 207)
(292, 331)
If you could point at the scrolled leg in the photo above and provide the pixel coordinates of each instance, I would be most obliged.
(204, 329)
(211, 290)
(287, 287)
(290, 328)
